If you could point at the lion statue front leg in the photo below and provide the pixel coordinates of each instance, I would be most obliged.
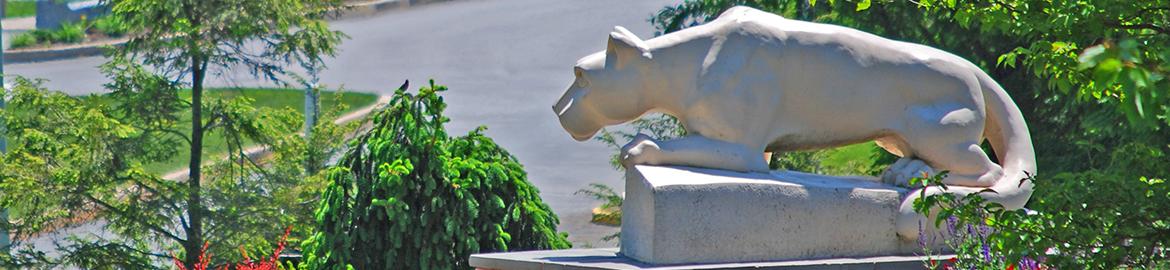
(694, 151)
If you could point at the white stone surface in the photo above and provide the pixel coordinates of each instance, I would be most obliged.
(608, 259)
(675, 215)
(751, 81)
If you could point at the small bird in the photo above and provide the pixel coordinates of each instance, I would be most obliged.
(405, 84)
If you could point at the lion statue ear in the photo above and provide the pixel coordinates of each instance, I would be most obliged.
(624, 47)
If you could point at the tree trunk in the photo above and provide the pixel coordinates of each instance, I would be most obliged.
(194, 230)
(804, 10)
(310, 110)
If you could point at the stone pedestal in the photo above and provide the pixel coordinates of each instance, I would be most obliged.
(679, 215)
(608, 259)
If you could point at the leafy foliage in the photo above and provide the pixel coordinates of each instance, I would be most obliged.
(1068, 226)
(289, 32)
(67, 158)
(76, 159)
(112, 26)
(84, 158)
(252, 197)
(610, 211)
(974, 229)
(407, 196)
(1090, 79)
(188, 40)
(1123, 57)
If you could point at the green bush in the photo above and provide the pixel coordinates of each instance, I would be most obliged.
(70, 33)
(407, 196)
(43, 36)
(112, 26)
(75, 32)
(32, 38)
(23, 40)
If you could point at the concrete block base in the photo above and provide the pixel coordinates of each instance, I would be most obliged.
(608, 259)
(680, 215)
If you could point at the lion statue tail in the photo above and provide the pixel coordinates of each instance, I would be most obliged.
(1008, 134)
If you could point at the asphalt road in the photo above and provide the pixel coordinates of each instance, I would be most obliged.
(505, 62)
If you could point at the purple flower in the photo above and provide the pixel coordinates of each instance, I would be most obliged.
(986, 252)
(1029, 264)
(952, 221)
(984, 231)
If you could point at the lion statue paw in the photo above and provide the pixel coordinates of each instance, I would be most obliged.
(900, 173)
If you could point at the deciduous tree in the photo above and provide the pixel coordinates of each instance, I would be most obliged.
(186, 38)
(81, 158)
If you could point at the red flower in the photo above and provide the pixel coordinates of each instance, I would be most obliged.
(268, 264)
(272, 263)
(201, 264)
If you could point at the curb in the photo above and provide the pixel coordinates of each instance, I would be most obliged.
(99, 48)
(374, 7)
(59, 53)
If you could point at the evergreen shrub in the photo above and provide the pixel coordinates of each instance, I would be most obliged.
(408, 196)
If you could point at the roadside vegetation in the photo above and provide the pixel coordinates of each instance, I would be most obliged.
(72, 32)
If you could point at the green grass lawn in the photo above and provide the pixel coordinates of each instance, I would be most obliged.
(854, 158)
(21, 8)
(215, 146)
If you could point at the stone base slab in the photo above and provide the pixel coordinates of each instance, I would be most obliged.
(680, 215)
(608, 259)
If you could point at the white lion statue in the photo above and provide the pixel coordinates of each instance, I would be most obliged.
(751, 82)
